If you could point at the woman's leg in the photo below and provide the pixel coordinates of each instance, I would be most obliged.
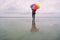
(33, 16)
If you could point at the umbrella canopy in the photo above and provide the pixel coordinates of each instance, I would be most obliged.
(35, 6)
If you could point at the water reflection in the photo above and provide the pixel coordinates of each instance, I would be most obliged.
(34, 28)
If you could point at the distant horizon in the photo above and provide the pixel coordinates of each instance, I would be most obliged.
(15, 14)
(18, 8)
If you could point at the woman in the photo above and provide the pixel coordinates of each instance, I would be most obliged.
(33, 14)
(34, 7)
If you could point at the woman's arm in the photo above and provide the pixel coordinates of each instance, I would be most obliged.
(33, 11)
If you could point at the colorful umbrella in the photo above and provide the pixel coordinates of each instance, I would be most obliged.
(35, 6)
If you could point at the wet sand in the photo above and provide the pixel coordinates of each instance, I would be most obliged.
(20, 29)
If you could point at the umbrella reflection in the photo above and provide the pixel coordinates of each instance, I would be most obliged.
(34, 28)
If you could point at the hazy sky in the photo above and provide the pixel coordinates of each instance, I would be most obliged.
(24, 5)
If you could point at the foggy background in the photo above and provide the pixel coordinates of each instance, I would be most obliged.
(16, 20)
(21, 8)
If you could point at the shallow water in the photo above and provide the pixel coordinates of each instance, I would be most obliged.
(20, 29)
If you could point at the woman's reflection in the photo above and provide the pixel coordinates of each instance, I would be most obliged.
(34, 28)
